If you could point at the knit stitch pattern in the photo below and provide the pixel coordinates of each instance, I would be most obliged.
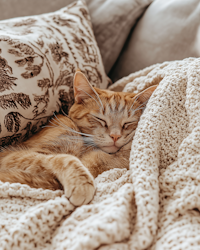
(155, 205)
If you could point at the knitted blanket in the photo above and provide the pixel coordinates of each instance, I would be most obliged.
(154, 205)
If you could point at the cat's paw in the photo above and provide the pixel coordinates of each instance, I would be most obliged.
(79, 184)
(81, 193)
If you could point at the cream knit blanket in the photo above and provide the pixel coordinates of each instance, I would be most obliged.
(154, 205)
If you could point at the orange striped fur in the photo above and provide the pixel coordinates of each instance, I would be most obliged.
(72, 150)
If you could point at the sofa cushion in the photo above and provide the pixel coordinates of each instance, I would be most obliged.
(38, 58)
(112, 23)
(112, 20)
(169, 30)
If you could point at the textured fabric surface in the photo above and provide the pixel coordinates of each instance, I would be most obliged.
(112, 20)
(38, 58)
(165, 157)
(42, 219)
(154, 205)
(168, 30)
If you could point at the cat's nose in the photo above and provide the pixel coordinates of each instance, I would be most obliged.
(115, 137)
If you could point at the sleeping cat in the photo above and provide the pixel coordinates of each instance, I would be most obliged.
(72, 150)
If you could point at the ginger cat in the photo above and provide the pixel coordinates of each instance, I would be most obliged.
(72, 150)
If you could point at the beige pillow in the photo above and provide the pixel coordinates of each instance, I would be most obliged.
(169, 30)
(38, 58)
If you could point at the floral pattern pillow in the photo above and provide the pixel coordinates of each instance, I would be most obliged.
(38, 59)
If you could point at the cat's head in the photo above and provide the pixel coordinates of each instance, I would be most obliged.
(110, 117)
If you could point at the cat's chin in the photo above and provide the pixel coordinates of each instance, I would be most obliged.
(110, 149)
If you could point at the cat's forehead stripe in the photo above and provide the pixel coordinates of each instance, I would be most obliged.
(115, 104)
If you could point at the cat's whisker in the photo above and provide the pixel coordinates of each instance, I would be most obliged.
(91, 144)
(61, 146)
(55, 125)
(134, 102)
(59, 124)
(64, 113)
(68, 128)
(74, 131)
(101, 104)
(48, 126)
(140, 107)
(144, 103)
(64, 126)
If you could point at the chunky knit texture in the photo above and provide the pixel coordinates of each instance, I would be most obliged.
(154, 205)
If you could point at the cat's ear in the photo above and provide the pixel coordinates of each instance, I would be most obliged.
(82, 88)
(146, 94)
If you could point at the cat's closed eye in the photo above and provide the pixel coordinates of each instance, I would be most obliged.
(128, 125)
(101, 121)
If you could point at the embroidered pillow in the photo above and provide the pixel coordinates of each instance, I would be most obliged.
(38, 58)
